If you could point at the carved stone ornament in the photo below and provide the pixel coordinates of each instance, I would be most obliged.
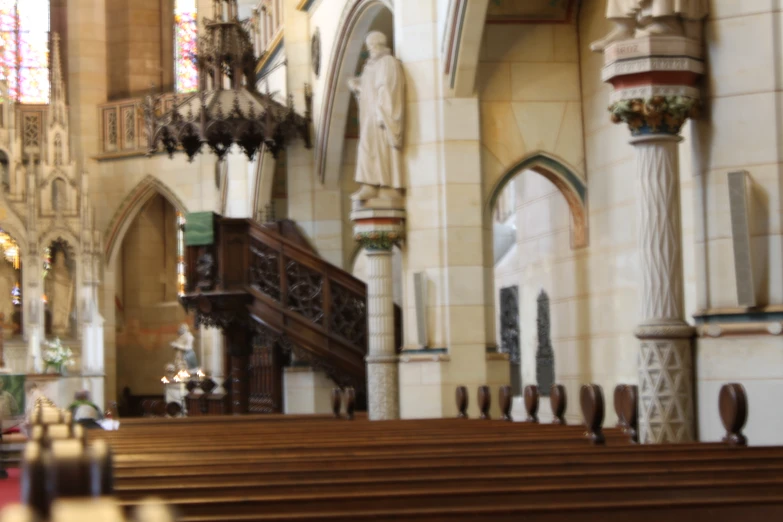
(315, 52)
(657, 115)
(509, 323)
(545, 355)
(377, 239)
(633, 18)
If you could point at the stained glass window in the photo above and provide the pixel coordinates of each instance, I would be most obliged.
(24, 49)
(185, 44)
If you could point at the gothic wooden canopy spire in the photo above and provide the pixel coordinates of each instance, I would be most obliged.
(227, 109)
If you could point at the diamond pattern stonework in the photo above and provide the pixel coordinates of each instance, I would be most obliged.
(665, 391)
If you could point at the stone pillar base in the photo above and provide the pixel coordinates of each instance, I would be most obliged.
(666, 412)
(383, 387)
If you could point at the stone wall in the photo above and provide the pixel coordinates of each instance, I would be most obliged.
(743, 84)
(148, 311)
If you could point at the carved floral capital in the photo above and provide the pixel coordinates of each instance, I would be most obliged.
(656, 115)
(378, 240)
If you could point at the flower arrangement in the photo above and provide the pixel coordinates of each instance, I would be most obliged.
(57, 356)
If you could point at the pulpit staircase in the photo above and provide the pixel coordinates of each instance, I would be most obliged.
(271, 294)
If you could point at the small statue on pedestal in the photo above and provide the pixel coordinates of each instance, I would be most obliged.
(184, 358)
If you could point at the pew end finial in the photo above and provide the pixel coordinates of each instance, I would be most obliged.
(630, 407)
(558, 401)
(733, 407)
(626, 399)
(462, 402)
(337, 402)
(531, 403)
(619, 392)
(484, 401)
(591, 398)
(505, 397)
(350, 402)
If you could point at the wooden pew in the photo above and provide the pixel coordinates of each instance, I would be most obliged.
(104, 509)
(58, 462)
(443, 469)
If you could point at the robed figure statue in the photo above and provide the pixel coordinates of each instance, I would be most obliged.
(380, 91)
(59, 291)
(185, 357)
(653, 17)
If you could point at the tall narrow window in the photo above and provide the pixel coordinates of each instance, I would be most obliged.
(24, 49)
(185, 45)
(180, 254)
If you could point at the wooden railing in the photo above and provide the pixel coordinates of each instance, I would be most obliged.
(266, 24)
(317, 308)
(123, 132)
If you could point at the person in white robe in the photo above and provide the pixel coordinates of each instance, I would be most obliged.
(653, 17)
(380, 91)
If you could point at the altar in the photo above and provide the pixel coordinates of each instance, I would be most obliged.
(62, 389)
(19, 391)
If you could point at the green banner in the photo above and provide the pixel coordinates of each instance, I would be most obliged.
(199, 229)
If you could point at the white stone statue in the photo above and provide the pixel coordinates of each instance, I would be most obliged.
(60, 295)
(653, 17)
(185, 357)
(380, 91)
(7, 283)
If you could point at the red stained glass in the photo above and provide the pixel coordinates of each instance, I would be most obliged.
(24, 49)
(185, 45)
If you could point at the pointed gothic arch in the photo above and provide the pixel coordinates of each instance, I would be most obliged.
(564, 177)
(129, 209)
(59, 193)
(62, 235)
(13, 225)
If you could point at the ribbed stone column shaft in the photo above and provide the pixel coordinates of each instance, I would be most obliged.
(380, 303)
(382, 385)
(665, 356)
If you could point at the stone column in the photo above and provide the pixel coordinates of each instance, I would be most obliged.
(666, 355)
(377, 230)
(654, 94)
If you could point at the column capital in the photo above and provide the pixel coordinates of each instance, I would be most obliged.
(378, 225)
(660, 115)
(654, 80)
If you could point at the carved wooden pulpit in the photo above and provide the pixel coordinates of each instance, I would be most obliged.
(273, 296)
